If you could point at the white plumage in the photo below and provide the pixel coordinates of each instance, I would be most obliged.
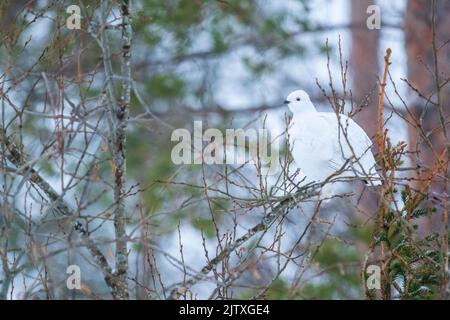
(324, 147)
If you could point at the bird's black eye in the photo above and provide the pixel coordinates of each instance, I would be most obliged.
(298, 99)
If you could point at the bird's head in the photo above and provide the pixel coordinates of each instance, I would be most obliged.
(298, 101)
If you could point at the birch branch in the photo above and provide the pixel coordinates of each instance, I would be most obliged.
(284, 205)
(13, 154)
(119, 109)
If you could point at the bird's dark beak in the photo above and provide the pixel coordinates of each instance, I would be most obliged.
(286, 101)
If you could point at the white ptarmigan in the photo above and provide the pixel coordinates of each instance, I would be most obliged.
(324, 147)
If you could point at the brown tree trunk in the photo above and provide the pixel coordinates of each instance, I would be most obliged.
(364, 65)
(419, 50)
(364, 69)
(423, 76)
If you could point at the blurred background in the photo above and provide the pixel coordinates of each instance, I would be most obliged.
(229, 64)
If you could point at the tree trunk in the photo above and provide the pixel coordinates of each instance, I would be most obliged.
(364, 68)
(364, 65)
(423, 50)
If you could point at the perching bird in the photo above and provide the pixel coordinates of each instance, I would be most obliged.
(325, 148)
